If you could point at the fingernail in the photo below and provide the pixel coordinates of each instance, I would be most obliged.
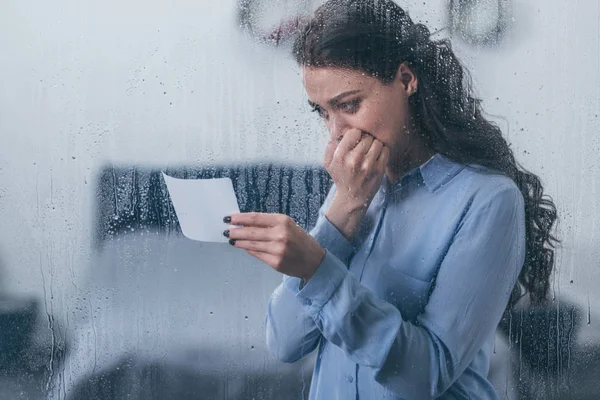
(226, 233)
(232, 242)
(227, 219)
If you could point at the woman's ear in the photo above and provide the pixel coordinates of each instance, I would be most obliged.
(407, 78)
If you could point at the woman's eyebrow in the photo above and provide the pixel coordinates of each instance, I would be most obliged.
(339, 97)
(336, 99)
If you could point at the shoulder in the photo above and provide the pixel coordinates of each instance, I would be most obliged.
(466, 184)
(489, 190)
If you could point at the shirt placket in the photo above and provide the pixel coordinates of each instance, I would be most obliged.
(370, 242)
(358, 265)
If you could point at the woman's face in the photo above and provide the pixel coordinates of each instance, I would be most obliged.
(349, 99)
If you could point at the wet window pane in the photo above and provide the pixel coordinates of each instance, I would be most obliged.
(409, 273)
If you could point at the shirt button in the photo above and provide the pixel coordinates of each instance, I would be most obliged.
(308, 302)
(349, 379)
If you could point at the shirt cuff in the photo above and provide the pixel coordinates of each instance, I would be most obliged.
(323, 284)
(292, 283)
(330, 238)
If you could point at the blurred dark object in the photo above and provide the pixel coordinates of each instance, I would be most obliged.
(136, 380)
(134, 199)
(547, 360)
(480, 22)
(545, 335)
(29, 354)
(17, 325)
(273, 22)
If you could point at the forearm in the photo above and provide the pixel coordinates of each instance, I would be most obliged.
(345, 216)
(372, 333)
(291, 332)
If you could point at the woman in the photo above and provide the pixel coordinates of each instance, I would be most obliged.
(428, 234)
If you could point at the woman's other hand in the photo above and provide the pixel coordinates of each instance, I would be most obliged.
(356, 165)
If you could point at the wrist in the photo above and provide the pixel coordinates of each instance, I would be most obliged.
(347, 206)
(314, 265)
(345, 216)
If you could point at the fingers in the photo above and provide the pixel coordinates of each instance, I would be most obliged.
(254, 234)
(257, 233)
(367, 153)
(352, 149)
(383, 159)
(258, 219)
(384, 156)
(349, 141)
(280, 233)
(329, 151)
(374, 153)
(272, 248)
(362, 148)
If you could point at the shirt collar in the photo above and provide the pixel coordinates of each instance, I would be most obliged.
(435, 172)
(438, 171)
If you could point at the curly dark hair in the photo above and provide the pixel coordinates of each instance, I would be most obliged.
(375, 37)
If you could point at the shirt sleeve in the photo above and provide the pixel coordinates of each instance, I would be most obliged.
(329, 237)
(473, 285)
(291, 332)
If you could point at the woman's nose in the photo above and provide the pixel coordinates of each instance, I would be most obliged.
(336, 128)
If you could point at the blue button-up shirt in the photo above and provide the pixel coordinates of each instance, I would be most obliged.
(409, 307)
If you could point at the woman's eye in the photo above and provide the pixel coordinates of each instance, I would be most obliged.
(322, 113)
(350, 107)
